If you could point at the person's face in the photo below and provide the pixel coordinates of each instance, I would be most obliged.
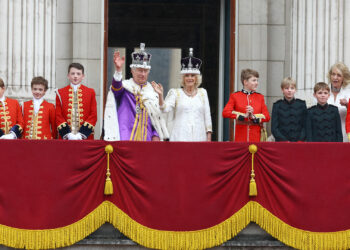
(288, 92)
(251, 84)
(336, 78)
(75, 76)
(2, 91)
(140, 75)
(38, 91)
(190, 80)
(322, 96)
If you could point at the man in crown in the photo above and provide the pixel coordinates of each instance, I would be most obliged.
(132, 109)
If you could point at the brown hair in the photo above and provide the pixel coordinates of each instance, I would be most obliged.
(288, 81)
(2, 84)
(77, 66)
(344, 71)
(321, 86)
(248, 73)
(39, 80)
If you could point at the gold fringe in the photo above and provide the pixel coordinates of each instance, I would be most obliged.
(148, 237)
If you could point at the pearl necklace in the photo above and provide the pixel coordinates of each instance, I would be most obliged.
(190, 94)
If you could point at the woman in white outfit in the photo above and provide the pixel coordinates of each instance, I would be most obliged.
(188, 108)
(339, 78)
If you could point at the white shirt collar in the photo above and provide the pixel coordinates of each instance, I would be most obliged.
(75, 87)
(2, 99)
(37, 103)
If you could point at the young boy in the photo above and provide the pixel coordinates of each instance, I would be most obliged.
(11, 120)
(289, 114)
(248, 108)
(38, 114)
(323, 120)
(76, 108)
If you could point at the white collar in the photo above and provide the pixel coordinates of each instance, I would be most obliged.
(75, 86)
(37, 103)
(2, 99)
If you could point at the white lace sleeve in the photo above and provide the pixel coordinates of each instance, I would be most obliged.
(207, 115)
(170, 101)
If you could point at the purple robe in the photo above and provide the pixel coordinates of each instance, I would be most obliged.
(133, 126)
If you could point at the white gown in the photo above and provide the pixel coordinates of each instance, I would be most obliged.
(189, 118)
(344, 93)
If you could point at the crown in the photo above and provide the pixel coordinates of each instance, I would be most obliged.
(141, 59)
(190, 64)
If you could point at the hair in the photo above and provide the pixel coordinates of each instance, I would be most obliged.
(344, 71)
(197, 83)
(288, 81)
(248, 73)
(77, 66)
(321, 86)
(39, 80)
(2, 84)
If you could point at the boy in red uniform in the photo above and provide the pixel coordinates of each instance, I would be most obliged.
(11, 120)
(38, 114)
(76, 108)
(248, 108)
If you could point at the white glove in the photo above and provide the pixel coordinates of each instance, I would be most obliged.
(72, 136)
(9, 136)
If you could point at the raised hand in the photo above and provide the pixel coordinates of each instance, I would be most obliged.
(158, 88)
(118, 61)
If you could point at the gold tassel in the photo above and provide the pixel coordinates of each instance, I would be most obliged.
(108, 184)
(253, 191)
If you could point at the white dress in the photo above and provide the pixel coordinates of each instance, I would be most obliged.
(344, 93)
(189, 118)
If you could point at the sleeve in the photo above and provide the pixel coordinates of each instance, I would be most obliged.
(89, 124)
(339, 133)
(303, 121)
(18, 127)
(61, 123)
(308, 128)
(207, 115)
(229, 110)
(117, 85)
(275, 126)
(52, 120)
(169, 102)
(347, 120)
(265, 112)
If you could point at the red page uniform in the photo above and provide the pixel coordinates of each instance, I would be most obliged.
(76, 112)
(40, 125)
(247, 129)
(11, 119)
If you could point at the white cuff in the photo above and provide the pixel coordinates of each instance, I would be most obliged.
(118, 76)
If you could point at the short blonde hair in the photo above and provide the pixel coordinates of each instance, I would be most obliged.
(197, 83)
(288, 81)
(344, 71)
(320, 86)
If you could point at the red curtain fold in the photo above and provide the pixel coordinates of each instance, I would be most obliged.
(174, 186)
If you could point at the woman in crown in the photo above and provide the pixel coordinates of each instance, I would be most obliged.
(188, 108)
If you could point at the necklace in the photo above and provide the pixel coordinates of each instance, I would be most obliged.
(190, 94)
(335, 90)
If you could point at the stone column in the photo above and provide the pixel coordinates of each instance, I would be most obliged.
(317, 41)
(27, 44)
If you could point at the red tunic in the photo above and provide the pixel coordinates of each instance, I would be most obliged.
(245, 129)
(87, 109)
(43, 124)
(11, 116)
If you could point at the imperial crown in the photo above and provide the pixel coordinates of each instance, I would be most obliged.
(190, 64)
(141, 59)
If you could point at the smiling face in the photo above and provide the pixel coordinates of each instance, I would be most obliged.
(38, 91)
(140, 75)
(337, 78)
(189, 80)
(75, 76)
(251, 84)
